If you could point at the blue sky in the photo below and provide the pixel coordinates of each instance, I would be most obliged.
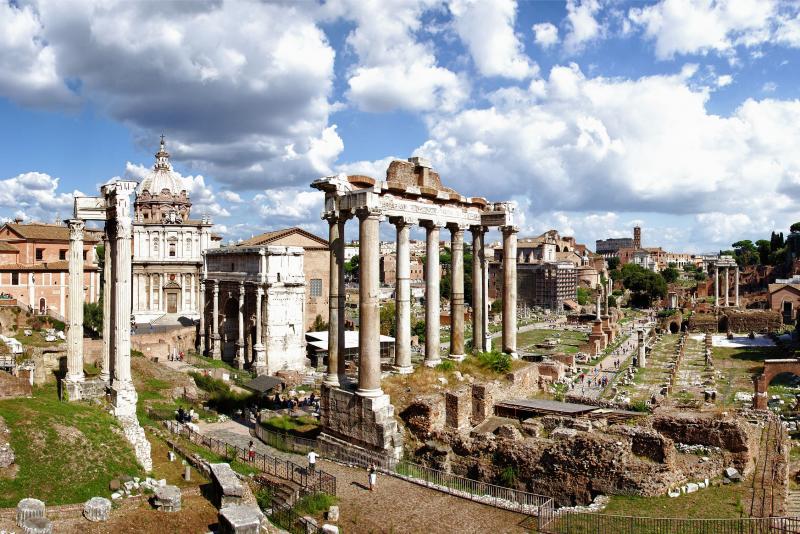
(682, 116)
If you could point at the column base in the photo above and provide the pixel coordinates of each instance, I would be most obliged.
(403, 369)
(433, 363)
(369, 393)
(457, 357)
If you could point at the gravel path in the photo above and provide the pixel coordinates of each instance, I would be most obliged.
(396, 505)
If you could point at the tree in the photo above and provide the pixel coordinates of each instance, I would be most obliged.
(613, 263)
(670, 274)
(93, 315)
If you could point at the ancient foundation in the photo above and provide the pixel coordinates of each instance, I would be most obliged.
(365, 422)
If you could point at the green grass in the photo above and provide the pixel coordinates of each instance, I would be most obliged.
(316, 503)
(66, 452)
(568, 341)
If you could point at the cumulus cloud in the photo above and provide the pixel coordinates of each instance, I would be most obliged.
(702, 26)
(35, 195)
(579, 144)
(582, 26)
(487, 29)
(395, 70)
(545, 34)
(236, 86)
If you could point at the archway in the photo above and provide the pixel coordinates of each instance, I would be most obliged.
(772, 368)
(230, 328)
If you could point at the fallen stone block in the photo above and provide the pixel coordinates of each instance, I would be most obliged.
(97, 509)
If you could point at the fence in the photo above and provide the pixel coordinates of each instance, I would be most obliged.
(310, 481)
(570, 522)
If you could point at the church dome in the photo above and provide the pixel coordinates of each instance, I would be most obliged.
(162, 177)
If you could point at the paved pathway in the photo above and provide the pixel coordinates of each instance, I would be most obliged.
(396, 505)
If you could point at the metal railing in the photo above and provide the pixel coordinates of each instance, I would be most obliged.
(572, 522)
(309, 481)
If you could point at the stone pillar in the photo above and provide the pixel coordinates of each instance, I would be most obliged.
(202, 344)
(108, 298)
(75, 332)
(457, 294)
(259, 353)
(402, 349)
(216, 353)
(736, 285)
(509, 290)
(477, 288)
(369, 346)
(432, 299)
(716, 286)
(336, 263)
(727, 287)
(239, 360)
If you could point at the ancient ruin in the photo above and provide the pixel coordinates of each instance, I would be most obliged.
(412, 194)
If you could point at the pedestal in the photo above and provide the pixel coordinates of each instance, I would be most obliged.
(366, 422)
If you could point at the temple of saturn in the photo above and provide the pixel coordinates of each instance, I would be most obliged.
(255, 315)
(726, 263)
(361, 414)
(114, 208)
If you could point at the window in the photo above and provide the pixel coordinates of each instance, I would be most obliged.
(316, 287)
(14, 279)
(39, 254)
(62, 254)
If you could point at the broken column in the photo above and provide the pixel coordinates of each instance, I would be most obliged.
(74, 378)
(123, 393)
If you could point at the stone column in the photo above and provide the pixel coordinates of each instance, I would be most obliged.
(369, 346)
(457, 293)
(216, 353)
(108, 297)
(75, 332)
(202, 343)
(736, 285)
(477, 288)
(432, 300)
(239, 360)
(716, 286)
(259, 353)
(402, 349)
(509, 290)
(727, 286)
(336, 263)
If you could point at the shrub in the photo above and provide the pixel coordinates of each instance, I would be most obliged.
(498, 362)
(445, 366)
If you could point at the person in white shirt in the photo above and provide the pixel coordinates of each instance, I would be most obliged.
(312, 460)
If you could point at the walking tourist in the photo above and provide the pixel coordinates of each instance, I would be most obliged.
(373, 476)
(312, 460)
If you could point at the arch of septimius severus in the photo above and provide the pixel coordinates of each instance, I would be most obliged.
(412, 194)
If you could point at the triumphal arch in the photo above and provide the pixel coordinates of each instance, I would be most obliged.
(412, 194)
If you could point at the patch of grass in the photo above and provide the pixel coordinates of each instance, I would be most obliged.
(316, 503)
(66, 452)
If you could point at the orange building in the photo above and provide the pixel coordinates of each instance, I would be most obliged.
(34, 268)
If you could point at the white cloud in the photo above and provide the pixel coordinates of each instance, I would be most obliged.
(395, 70)
(579, 144)
(236, 86)
(545, 34)
(487, 29)
(582, 27)
(702, 26)
(35, 195)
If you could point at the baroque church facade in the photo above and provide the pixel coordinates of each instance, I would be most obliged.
(167, 247)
